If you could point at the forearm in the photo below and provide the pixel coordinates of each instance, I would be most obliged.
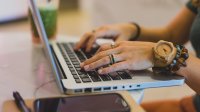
(192, 73)
(176, 31)
(154, 34)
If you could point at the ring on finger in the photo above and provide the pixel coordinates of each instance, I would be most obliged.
(112, 45)
(112, 59)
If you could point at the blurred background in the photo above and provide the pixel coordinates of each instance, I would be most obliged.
(78, 16)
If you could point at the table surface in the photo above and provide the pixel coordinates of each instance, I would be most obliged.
(24, 68)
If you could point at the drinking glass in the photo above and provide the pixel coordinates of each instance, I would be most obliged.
(48, 10)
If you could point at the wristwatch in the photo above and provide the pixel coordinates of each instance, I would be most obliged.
(164, 53)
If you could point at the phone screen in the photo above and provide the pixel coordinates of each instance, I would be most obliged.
(89, 103)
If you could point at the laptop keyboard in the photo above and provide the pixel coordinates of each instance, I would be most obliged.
(73, 60)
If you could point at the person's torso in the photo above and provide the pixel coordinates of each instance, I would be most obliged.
(195, 34)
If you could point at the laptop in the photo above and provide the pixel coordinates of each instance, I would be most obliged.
(71, 79)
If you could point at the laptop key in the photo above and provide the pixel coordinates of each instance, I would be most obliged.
(71, 69)
(70, 66)
(74, 60)
(68, 63)
(76, 63)
(66, 59)
(124, 75)
(95, 78)
(78, 69)
(105, 77)
(114, 76)
(83, 76)
(73, 73)
(78, 80)
(81, 72)
(77, 66)
(75, 76)
(86, 80)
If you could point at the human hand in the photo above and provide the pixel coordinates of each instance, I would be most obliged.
(127, 55)
(117, 32)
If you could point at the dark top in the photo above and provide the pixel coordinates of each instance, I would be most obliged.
(195, 40)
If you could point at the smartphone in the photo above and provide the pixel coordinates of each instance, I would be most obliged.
(110, 102)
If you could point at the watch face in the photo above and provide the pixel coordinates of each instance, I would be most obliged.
(164, 49)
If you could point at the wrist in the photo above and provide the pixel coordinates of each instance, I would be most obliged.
(136, 33)
(164, 52)
(163, 64)
(184, 71)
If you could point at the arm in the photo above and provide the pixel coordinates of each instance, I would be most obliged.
(177, 31)
(192, 73)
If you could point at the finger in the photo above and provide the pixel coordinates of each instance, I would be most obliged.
(96, 34)
(119, 39)
(102, 62)
(113, 68)
(90, 43)
(83, 40)
(98, 63)
(105, 47)
(100, 55)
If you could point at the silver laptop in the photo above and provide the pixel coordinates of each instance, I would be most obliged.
(72, 79)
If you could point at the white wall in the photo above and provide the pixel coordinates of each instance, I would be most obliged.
(12, 9)
(147, 12)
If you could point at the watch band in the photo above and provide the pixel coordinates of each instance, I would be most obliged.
(178, 62)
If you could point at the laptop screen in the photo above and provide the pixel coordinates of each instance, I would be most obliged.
(43, 36)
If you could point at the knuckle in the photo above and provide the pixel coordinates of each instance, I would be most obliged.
(91, 66)
(101, 48)
(100, 54)
(115, 66)
(105, 60)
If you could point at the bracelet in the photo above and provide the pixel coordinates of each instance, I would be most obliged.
(179, 61)
(137, 35)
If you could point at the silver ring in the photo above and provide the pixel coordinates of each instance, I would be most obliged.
(112, 45)
(112, 59)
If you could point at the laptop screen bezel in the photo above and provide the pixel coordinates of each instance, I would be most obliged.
(43, 36)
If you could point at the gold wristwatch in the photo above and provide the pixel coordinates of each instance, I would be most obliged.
(164, 53)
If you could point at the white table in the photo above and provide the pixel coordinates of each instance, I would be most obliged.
(24, 68)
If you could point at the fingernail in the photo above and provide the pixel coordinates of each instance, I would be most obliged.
(100, 71)
(86, 67)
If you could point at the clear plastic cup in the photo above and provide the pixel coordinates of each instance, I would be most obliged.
(48, 10)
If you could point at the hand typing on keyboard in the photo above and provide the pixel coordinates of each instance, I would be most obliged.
(124, 55)
(73, 60)
(117, 32)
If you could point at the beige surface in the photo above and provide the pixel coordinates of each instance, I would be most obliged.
(10, 106)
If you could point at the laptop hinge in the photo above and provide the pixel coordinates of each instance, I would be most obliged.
(61, 72)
